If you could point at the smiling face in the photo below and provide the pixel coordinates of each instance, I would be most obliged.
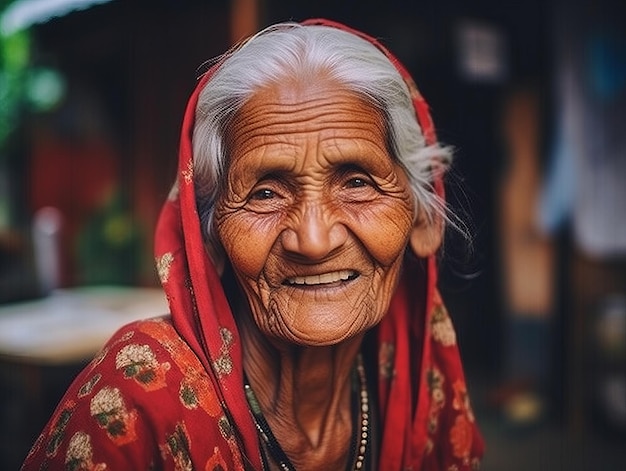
(315, 215)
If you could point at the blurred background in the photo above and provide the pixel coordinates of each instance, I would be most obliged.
(532, 96)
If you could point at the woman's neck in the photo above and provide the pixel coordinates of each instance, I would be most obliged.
(304, 394)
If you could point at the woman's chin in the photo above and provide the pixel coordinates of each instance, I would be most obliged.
(322, 333)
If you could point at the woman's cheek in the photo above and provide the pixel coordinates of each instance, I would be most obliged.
(385, 234)
(247, 242)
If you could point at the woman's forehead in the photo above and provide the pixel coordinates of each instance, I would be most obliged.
(285, 115)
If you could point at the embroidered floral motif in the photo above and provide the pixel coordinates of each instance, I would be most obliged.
(435, 381)
(442, 328)
(196, 391)
(178, 446)
(163, 264)
(188, 396)
(461, 401)
(385, 360)
(108, 409)
(164, 333)
(79, 454)
(126, 336)
(216, 462)
(226, 430)
(429, 446)
(57, 431)
(36, 448)
(87, 388)
(140, 363)
(461, 437)
(461, 431)
(188, 172)
(227, 336)
(195, 388)
(224, 364)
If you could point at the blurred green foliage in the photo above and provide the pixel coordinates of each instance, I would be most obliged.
(24, 87)
(14, 64)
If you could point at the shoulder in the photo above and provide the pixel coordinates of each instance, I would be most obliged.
(145, 398)
(156, 370)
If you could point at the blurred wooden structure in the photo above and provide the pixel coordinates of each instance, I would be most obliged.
(141, 59)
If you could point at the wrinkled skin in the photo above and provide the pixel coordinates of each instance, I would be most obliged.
(316, 216)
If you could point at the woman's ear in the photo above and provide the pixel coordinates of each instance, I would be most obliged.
(427, 234)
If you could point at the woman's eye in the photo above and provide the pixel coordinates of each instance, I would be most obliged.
(263, 194)
(359, 187)
(357, 182)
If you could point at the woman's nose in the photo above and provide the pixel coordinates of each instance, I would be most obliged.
(314, 234)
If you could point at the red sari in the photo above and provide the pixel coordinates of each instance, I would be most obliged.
(167, 393)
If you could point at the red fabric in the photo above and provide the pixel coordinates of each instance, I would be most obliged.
(145, 402)
(425, 416)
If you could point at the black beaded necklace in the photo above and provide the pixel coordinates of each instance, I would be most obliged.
(362, 431)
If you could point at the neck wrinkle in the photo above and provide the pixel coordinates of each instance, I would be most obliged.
(304, 392)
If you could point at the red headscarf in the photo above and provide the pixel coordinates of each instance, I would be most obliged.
(426, 419)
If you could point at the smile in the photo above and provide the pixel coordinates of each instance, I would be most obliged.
(322, 279)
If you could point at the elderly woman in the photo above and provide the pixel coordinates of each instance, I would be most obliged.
(297, 252)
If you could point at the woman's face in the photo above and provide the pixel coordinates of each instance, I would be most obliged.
(315, 216)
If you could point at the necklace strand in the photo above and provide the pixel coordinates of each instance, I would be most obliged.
(277, 453)
(365, 415)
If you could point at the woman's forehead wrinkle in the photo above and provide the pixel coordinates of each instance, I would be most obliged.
(368, 152)
(263, 154)
(306, 133)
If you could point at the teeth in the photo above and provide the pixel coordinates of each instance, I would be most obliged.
(324, 278)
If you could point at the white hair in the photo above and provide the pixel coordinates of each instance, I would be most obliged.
(294, 51)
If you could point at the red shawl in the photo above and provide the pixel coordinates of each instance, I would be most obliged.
(425, 415)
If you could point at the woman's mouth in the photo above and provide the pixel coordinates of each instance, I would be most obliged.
(322, 279)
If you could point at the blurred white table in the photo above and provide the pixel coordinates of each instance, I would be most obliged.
(71, 325)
